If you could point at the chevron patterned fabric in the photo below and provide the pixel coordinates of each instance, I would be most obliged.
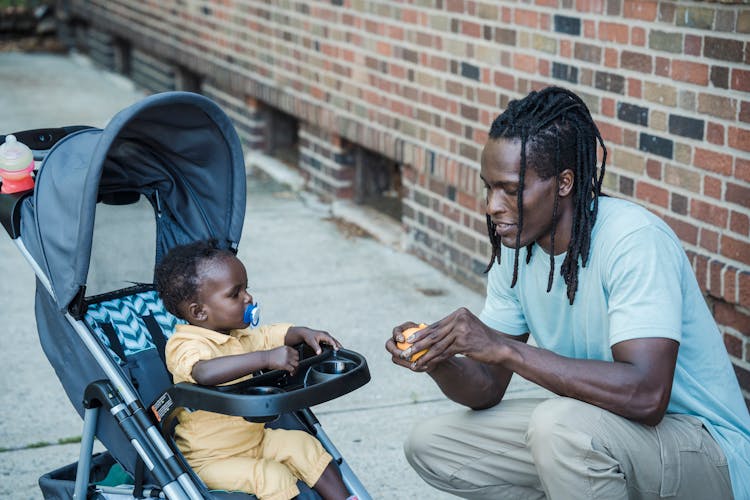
(125, 315)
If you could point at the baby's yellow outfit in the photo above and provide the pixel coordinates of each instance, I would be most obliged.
(230, 453)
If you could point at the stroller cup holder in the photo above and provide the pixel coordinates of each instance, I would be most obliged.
(262, 398)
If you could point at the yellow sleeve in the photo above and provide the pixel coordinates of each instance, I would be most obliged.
(264, 337)
(181, 354)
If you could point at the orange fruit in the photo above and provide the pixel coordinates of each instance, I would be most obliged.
(405, 345)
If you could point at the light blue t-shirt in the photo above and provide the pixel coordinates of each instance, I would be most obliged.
(637, 283)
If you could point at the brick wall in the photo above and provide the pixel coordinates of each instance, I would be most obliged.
(420, 81)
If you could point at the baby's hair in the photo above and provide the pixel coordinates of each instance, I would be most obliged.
(178, 275)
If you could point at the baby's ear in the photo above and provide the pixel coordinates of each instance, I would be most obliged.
(195, 313)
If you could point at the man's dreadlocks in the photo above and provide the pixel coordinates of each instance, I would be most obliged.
(556, 133)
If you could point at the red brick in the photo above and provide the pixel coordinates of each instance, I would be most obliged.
(733, 345)
(611, 58)
(613, 32)
(735, 249)
(642, 10)
(743, 289)
(738, 194)
(589, 29)
(701, 271)
(566, 49)
(745, 111)
(743, 377)
(709, 240)
(504, 80)
(690, 72)
(684, 230)
(525, 63)
(714, 278)
(652, 194)
(729, 315)
(730, 284)
(713, 161)
(589, 6)
(742, 169)
(715, 133)
(653, 169)
(635, 87)
(608, 107)
(739, 223)
(525, 17)
(741, 80)
(712, 187)
(662, 66)
(707, 212)
(739, 138)
(638, 36)
(471, 29)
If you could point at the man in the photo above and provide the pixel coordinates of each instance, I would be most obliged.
(649, 405)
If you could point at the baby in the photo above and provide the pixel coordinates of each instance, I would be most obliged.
(207, 287)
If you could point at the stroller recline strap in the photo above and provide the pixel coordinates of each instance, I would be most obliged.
(114, 341)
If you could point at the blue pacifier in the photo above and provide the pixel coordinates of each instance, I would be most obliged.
(252, 314)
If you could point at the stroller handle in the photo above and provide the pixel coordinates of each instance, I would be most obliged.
(41, 140)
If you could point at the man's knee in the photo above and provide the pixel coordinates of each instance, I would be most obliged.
(420, 444)
(560, 427)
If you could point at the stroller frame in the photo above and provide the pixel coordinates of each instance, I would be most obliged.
(112, 397)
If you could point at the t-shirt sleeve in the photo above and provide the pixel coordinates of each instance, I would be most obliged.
(264, 337)
(182, 354)
(502, 310)
(645, 286)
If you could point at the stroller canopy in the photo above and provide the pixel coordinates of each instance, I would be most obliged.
(176, 148)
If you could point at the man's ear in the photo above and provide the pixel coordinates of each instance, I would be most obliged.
(566, 183)
(195, 313)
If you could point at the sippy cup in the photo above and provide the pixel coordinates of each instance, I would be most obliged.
(16, 164)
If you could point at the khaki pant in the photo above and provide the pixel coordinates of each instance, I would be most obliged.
(563, 448)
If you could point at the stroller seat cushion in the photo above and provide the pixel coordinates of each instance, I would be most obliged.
(128, 324)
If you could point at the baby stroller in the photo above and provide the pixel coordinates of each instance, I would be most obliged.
(180, 152)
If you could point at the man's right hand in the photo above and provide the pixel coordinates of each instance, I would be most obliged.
(390, 345)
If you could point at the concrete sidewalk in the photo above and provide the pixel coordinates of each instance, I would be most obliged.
(305, 266)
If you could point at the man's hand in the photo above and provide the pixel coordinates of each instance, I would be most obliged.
(282, 358)
(461, 332)
(313, 338)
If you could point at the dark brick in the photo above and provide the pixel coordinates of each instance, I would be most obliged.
(451, 193)
(610, 82)
(723, 49)
(636, 61)
(627, 186)
(679, 204)
(632, 113)
(505, 36)
(569, 25)
(720, 77)
(656, 145)
(411, 56)
(337, 3)
(588, 52)
(487, 32)
(686, 127)
(470, 71)
(565, 72)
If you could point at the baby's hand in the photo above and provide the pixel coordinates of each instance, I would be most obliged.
(283, 358)
(313, 338)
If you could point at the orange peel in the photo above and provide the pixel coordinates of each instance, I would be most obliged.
(405, 345)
